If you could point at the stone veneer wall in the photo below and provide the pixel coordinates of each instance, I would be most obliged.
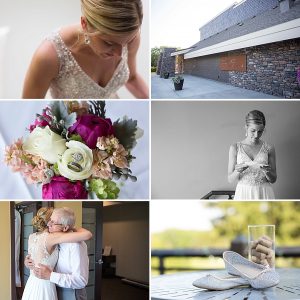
(166, 62)
(271, 69)
(159, 63)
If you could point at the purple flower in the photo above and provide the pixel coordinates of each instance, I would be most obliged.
(42, 120)
(90, 127)
(61, 188)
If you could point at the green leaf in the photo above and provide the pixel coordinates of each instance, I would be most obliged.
(70, 120)
(59, 110)
(125, 130)
(76, 137)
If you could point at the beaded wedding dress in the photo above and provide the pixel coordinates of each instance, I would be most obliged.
(253, 183)
(40, 288)
(72, 82)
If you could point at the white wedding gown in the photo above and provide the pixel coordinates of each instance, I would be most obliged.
(73, 83)
(40, 289)
(253, 184)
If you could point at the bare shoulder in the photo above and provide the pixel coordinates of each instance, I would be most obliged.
(271, 148)
(133, 46)
(232, 148)
(46, 54)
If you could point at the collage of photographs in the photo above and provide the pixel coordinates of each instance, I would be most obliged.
(150, 150)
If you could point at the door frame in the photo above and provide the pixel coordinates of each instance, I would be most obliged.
(98, 205)
(12, 206)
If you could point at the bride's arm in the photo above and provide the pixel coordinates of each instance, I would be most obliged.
(270, 171)
(43, 68)
(79, 235)
(233, 174)
(135, 84)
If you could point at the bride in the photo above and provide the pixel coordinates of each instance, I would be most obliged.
(92, 59)
(43, 248)
(252, 162)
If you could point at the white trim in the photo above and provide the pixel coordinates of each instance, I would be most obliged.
(183, 51)
(281, 32)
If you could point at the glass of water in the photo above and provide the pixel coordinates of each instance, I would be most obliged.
(261, 244)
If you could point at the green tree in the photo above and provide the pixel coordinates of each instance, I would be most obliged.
(237, 216)
(155, 52)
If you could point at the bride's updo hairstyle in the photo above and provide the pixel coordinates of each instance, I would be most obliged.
(113, 17)
(42, 218)
(255, 117)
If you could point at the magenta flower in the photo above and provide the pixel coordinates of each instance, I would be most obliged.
(91, 127)
(61, 188)
(42, 120)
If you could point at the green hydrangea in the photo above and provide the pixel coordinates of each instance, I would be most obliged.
(104, 189)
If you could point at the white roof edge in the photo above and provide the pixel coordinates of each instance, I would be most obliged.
(183, 51)
(280, 32)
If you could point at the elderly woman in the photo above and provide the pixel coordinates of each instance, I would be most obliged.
(252, 162)
(92, 59)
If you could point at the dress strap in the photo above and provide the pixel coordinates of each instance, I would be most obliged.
(59, 46)
(238, 147)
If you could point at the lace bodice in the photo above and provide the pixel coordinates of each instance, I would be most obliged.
(38, 251)
(253, 175)
(72, 82)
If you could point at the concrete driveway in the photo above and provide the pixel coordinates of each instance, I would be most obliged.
(200, 88)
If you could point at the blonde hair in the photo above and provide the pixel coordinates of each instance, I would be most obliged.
(113, 17)
(42, 218)
(66, 216)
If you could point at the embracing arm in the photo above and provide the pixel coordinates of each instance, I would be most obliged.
(55, 238)
(271, 173)
(43, 68)
(135, 84)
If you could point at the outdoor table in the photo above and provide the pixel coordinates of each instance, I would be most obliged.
(179, 286)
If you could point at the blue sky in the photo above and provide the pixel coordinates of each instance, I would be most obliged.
(176, 23)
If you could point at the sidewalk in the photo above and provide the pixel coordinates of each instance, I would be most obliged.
(200, 88)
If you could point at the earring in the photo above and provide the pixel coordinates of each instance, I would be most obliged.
(87, 40)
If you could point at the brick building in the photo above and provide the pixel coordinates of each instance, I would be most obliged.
(253, 44)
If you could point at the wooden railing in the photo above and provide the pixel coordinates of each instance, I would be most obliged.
(206, 252)
(211, 194)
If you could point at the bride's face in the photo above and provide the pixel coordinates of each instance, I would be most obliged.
(254, 132)
(108, 46)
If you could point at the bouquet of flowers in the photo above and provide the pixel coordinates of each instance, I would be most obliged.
(73, 149)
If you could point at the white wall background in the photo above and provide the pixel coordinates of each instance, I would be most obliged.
(16, 116)
(29, 22)
(126, 230)
(191, 139)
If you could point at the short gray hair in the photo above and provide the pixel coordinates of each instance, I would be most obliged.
(66, 216)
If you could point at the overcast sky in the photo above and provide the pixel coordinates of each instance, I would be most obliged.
(176, 23)
(181, 214)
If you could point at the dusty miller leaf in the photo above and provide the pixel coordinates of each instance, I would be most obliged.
(125, 132)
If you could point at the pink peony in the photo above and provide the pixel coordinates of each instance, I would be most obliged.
(61, 188)
(91, 127)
